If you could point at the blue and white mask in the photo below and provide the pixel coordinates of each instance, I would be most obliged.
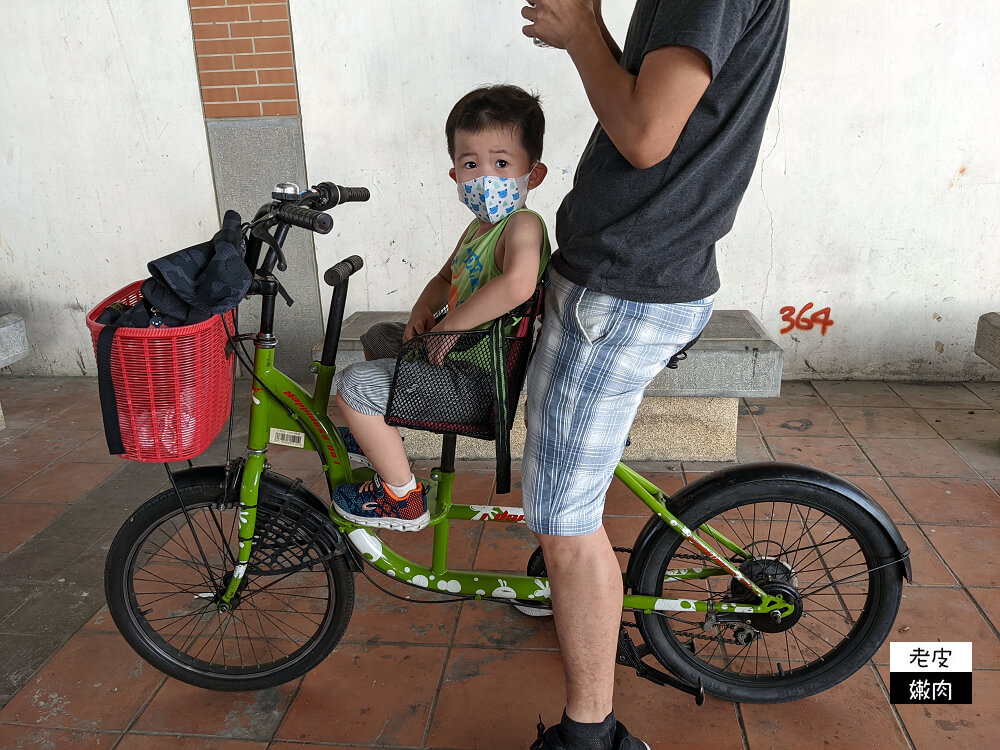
(493, 198)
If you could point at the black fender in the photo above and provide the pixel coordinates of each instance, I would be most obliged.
(763, 472)
(274, 483)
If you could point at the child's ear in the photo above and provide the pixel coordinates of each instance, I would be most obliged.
(451, 174)
(537, 175)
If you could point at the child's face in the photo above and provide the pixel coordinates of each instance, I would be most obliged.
(492, 153)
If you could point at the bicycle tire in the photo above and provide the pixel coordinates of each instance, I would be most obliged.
(152, 584)
(854, 607)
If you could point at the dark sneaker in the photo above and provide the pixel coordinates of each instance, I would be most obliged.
(354, 452)
(625, 741)
(550, 739)
(373, 504)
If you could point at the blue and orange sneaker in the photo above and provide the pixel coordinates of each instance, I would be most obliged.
(373, 504)
(354, 452)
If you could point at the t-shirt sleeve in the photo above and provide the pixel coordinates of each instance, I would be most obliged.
(712, 27)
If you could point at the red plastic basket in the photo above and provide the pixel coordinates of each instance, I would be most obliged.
(173, 385)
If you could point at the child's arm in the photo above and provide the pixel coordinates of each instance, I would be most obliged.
(521, 252)
(433, 298)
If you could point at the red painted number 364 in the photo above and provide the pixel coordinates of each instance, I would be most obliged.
(820, 318)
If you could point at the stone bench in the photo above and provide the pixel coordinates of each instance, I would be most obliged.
(13, 345)
(688, 414)
(988, 338)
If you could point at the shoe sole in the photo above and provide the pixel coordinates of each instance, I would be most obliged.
(533, 611)
(392, 524)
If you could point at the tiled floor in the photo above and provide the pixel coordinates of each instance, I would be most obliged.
(476, 675)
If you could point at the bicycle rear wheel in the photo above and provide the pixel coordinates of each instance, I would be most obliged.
(166, 568)
(805, 542)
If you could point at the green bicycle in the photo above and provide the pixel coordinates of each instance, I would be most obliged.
(761, 583)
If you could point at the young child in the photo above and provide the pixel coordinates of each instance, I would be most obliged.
(495, 143)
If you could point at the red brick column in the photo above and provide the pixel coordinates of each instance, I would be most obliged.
(244, 52)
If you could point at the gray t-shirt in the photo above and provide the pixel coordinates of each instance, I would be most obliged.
(649, 234)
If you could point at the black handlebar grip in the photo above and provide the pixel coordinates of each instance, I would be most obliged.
(353, 194)
(307, 218)
(339, 273)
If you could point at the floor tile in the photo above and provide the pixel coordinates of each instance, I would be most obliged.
(849, 715)
(915, 457)
(61, 483)
(878, 490)
(792, 421)
(172, 742)
(59, 611)
(931, 395)
(857, 393)
(982, 455)
(13, 595)
(16, 472)
(989, 392)
(20, 657)
(963, 424)
(793, 393)
(183, 709)
(95, 682)
(955, 726)
(17, 737)
(368, 695)
(839, 455)
(751, 449)
(989, 600)
(101, 622)
(41, 560)
(505, 547)
(92, 450)
(21, 521)
(971, 552)
(496, 625)
(942, 614)
(961, 502)
(380, 618)
(504, 718)
(925, 562)
(881, 422)
(43, 444)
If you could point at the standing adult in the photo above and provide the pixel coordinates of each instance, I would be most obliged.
(681, 111)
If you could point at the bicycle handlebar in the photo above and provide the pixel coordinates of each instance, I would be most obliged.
(338, 274)
(302, 216)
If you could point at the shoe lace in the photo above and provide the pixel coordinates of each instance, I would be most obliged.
(539, 744)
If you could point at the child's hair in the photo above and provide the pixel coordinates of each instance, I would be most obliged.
(499, 106)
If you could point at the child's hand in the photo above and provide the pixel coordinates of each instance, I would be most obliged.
(438, 348)
(421, 321)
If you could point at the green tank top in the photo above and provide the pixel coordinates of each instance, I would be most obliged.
(475, 265)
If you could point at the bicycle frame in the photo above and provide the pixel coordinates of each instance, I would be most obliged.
(281, 406)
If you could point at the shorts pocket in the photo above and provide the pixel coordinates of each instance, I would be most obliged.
(593, 315)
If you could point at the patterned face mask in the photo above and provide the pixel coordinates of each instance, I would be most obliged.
(493, 198)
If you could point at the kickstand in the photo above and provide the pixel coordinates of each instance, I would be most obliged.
(629, 655)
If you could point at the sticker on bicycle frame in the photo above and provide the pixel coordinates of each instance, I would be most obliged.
(287, 437)
(498, 513)
(930, 672)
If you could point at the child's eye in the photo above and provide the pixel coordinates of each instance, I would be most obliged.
(469, 165)
(501, 164)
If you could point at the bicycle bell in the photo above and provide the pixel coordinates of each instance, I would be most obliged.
(285, 191)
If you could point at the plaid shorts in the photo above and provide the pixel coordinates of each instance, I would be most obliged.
(595, 356)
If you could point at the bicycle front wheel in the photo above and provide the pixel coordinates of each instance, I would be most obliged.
(168, 565)
(804, 542)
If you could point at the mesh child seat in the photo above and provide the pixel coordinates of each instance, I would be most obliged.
(475, 388)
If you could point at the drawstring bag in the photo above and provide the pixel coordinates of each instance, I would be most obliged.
(164, 369)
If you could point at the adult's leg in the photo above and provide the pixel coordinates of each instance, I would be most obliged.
(586, 585)
(594, 359)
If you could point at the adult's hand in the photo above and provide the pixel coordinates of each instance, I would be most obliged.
(559, 23)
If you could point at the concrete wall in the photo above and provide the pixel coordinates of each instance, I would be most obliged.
(875, 195)
(104, 162)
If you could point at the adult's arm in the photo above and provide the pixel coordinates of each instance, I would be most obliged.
(642, 114)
